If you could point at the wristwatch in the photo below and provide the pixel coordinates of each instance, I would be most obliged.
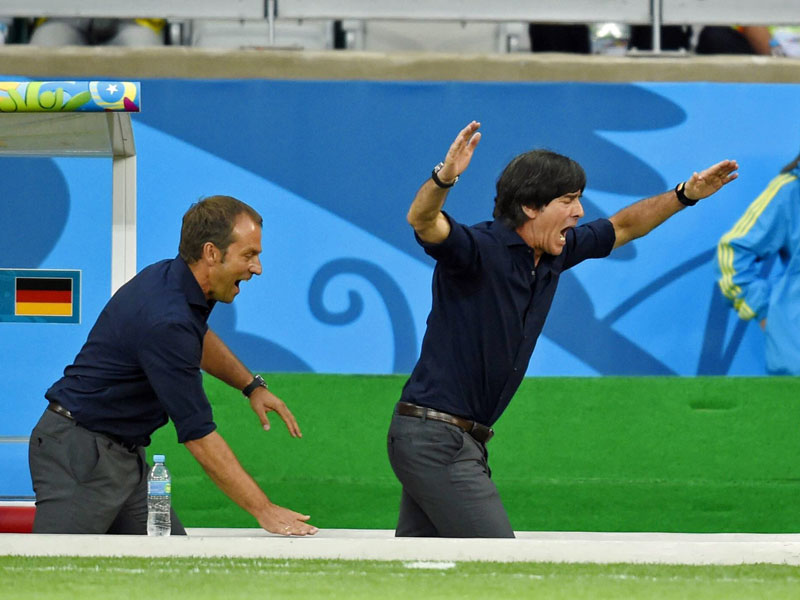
(680, 192)
(258, 381)
(439, 182)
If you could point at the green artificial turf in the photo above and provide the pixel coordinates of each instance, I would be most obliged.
(44, 578)
(694, 454)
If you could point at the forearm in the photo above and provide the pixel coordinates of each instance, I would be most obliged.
(644, 216)
(641, 218)
(218, 360)
(224, 469)
(425, 214)
(759, 38)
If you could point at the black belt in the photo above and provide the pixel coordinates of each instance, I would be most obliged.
(64, 412)
(480, 432)
(60, 410)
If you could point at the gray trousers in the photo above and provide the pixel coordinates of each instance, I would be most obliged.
(447, 489)
(85, 482)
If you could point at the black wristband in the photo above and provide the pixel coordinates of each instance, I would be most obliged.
(258, 381)
(681, 194)
(439, 182)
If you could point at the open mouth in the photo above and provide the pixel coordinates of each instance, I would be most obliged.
(563, 234)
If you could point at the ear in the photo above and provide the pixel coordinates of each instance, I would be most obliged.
(210, 253)
(531, 213)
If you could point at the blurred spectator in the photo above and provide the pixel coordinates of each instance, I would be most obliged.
(111, 32)
(673, 37)
(598, 38)
(786, 40)
(769, 231)
(781, 41)
(560, 38)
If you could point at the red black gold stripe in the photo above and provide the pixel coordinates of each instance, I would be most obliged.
(43, 296)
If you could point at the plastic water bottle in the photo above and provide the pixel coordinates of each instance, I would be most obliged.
(159, 489)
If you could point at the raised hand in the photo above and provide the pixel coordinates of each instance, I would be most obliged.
(460, 153)
(703, 184)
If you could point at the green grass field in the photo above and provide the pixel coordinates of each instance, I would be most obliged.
(29, 578)
(673, 454)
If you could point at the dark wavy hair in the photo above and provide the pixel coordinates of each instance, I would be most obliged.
(211, 220)
(533, 179)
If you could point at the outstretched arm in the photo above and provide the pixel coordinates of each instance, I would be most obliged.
(224, 469)
(642, 217)
(219, 361)
(425, 214)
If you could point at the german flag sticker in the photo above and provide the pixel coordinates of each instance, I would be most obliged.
(43, 296)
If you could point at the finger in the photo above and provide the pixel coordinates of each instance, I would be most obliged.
(301, 529)
(305, 530)
(258, 408)
(297, 516)
(466, 133)
(474, 141)
(290, 421)
(471, 128)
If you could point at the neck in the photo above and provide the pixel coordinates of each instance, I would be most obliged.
(200, 272)
(525, 231)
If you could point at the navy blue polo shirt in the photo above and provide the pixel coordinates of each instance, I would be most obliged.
(489, 307)
(141, 361)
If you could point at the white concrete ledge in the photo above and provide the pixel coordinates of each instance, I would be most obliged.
(575, 547)
(203, 63)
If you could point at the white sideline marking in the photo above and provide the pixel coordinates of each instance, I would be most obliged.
(427, 564)
(366, 544)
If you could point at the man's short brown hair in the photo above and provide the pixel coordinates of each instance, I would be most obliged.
(211, 220)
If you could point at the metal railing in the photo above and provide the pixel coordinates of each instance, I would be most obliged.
(633, 12)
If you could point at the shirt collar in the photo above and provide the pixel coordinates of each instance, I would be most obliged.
(505, 233)
(510, 237)
(184, 279)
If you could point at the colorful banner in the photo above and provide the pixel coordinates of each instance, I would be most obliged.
(69, 96)
(39, 296)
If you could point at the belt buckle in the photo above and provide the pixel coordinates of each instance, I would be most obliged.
(479, 428)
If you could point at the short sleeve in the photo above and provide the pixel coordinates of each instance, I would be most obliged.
(170, 357)
(592, 240)
(456, 253)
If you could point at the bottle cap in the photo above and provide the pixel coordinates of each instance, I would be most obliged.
(158, 458)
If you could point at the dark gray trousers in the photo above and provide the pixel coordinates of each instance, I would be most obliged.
(85, 482)
(447, 489)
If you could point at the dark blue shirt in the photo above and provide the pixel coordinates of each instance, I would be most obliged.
(489, 307)
(141, 361)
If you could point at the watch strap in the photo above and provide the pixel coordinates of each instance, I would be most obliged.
(680, 192)
(258, 381)
(439, 182)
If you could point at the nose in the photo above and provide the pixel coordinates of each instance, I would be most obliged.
(578, 209)
(255, 266)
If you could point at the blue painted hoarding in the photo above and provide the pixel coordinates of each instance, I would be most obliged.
(333, 165)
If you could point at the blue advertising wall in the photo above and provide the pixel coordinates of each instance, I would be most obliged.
(332, 166)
